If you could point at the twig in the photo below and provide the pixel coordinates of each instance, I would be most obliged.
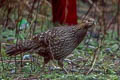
(90, 8)
(93, 61)
(95, 57)
(110, 22)
(1, 57)
(118, 14)
(7, 61)
(95, 6)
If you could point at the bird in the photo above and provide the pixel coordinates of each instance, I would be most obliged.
(54, 44)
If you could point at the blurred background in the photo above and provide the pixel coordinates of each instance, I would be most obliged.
(98, 55)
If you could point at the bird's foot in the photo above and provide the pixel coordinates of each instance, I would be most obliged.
(65, 70)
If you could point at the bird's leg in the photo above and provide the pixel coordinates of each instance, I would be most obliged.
(46, 60)
(60, 63)
(53, 64)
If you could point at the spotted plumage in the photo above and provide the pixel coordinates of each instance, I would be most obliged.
(56, 43)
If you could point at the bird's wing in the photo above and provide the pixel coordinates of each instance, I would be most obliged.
(42, 43)
(61, 40)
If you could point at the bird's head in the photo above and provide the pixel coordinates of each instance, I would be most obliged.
(87, 22)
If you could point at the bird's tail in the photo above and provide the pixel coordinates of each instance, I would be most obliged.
(20, 47)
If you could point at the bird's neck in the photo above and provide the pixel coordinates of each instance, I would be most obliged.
(82, 26)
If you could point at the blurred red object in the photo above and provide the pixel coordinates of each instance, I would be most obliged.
(64, 11)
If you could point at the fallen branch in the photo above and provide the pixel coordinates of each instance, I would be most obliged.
(6, 61)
